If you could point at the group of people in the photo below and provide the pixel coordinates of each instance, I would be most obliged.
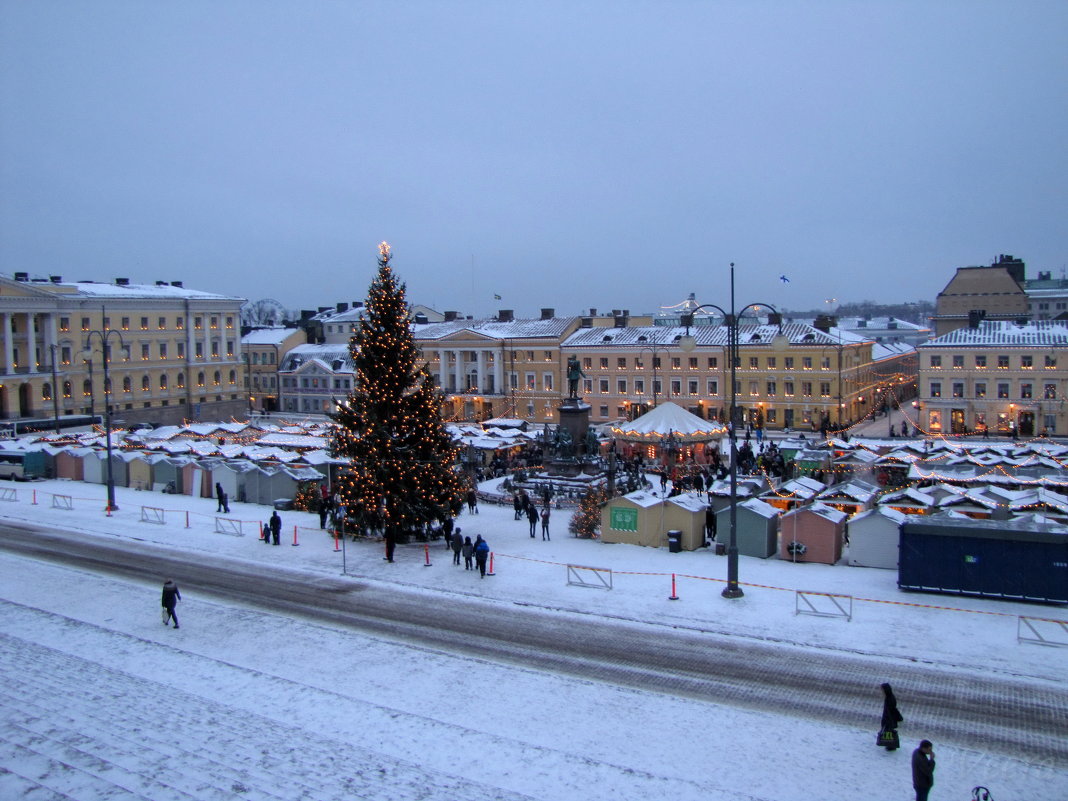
(272, 529)
(923, 760)
(526, 508)
(462, 546)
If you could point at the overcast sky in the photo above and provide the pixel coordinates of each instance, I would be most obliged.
(566, 155)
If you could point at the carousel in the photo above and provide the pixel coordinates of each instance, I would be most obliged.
(669, 435)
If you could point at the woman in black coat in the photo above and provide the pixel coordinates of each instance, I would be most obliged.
(891, 717)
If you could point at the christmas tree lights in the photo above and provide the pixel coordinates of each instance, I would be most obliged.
(402, 472)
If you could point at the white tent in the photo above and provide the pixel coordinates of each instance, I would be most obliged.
(669, 419)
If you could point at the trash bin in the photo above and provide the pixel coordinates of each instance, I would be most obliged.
(721, 549)
(675, 541)
(283, 504)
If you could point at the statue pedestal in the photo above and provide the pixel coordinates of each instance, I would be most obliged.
(575, 417)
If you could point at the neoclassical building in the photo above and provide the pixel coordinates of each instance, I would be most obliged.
(996, 376)
(172, 353)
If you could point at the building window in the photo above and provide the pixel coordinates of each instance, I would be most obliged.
(125, 323)
(1049, 391)
(46, 391)
(713, 362)
(693, 362)
(198, 349)
(587, 363)
(692, 386)
(788, 363)
(180, 381)
(179, 323)
(67, 389)
(754, 389)
(144, 323)
(676, 362)
(1003, 390)
(621, 363)
(198, 323)
(85, 323)
(980, 389)
(181, 350)
(825, 389)
(639, 386)
(127, 385)
(603, 386)
(1025, 391)
(771, 362)
(621, 386)
(233, 377)
(230, 348)
(531, 378)
(1003, 362)
(547, 381)
(713, 386)
(936, 389)
(825, 362)
(958, 361)
(676, 386)
(788, 388)
(604, 362)
(64, 354)
(230, 323)
(161, 324)
(603, 410)
(145, 385)
(806, 362)
(200, 379)
(936, 361)
(771, 389)
(980, 361)
(806, 389)
(1027, 362)
(587, 386)
(214, 323)
(64, 324)
(958, 389)
(754, 362)
(163, 382)
(144, 352)
(1051, 362)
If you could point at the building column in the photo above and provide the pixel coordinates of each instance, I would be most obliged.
(9, 346)
(480, 357)
(458, 371)
(498, 373)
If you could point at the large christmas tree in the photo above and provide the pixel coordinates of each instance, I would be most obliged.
(402, 460)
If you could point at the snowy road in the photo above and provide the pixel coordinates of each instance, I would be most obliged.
(1024, 718)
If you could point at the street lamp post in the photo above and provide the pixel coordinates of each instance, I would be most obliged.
(55, 387)
(652, 352)
(104, 336)
(731, 320)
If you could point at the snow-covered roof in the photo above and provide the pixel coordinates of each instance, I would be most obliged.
(1001, 333)
(268, 336)
(492, 328)
(669, 418)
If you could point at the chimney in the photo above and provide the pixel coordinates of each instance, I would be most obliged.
(56, 279)
(342, 307)
(505, 316)
(450, 316)
(161, 283)
(177, 284)
(824, 323)
(621, 321)
(22, 276)
(586, 322)
(548, 314)
(122, 282)
(616, 312)
(306, 314)
(593, 312)
(975, 316)
(420, 319)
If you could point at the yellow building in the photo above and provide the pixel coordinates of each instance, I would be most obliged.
(262, 351)
(996, 376)
(799, 377)
(173, 353)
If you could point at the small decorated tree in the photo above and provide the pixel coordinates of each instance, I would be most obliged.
(586, 521)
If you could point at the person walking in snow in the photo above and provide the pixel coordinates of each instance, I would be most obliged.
(472, 502)
(888, 736)
(545, 523)
(171, 597)
(219, 495)
(225, 501)
(517, 505)
(468, 549)
(481, 554)
(276, 527)
(532, 518)
(923, 766)
(457, 543)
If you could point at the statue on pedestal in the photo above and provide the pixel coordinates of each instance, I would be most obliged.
(574, 373)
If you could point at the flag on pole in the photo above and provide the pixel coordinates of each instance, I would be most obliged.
(784, 279)
(496, 297)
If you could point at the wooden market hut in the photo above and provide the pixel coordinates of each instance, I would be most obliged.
(813, 533)
(686, 513)
(757, 532)
(874, 536)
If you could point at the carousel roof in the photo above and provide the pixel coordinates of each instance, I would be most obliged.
(668, 418)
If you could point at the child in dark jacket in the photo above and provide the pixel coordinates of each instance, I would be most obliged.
(468, 550)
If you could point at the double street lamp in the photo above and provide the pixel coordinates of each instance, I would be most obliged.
(105, 336)
(731, 321)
